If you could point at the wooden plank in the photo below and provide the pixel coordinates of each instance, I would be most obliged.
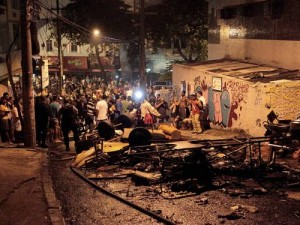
(147, 175)
(186, 145)
(113, 146)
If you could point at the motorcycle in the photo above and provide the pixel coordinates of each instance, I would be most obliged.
(284, 135)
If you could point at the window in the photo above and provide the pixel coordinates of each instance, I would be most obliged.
(3, 38)
(16, 32)
(228, 13)
(2, 2)
(15, 4)
(73, 47)
(49, 46)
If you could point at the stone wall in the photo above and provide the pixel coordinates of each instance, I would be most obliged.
(285, 99)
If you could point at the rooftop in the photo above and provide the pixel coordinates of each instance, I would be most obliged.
(247, 71)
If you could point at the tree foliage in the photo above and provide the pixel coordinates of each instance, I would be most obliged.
(110, 17)
(183, 23)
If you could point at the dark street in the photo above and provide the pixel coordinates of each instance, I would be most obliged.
(235, 198)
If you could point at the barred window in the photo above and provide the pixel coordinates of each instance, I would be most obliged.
(49, 46)
(74, 47)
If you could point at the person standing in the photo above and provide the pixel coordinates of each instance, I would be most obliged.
(54, 119)
(161, 106)
(4, 121)
(82, 108)
(174, 108)
(125, 104)
(147, 111)
(67, 114)
(102, 108)
(183, 103)
(42, 115)
(16, 122)
(196, 106)
(204, 111)
(89, 121)
(119, 107)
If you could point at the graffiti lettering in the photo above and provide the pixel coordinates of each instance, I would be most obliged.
(258, 98)
(237, 90)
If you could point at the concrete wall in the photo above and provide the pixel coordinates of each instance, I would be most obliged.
(272, 51)
(278, 53)
(241, 104)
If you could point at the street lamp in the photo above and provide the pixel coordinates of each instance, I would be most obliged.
(96, 34)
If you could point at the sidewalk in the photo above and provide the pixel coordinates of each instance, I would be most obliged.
(26, 194)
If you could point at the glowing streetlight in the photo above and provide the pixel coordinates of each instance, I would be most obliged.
(96, 32)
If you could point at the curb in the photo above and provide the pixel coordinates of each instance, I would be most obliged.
(54, 211)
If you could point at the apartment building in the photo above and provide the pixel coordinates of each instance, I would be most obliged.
(259, 31)
(9, 26)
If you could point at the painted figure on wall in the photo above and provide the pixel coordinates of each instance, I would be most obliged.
(224, 106)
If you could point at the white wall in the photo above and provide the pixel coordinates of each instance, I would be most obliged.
(241, 104)
(278, 53)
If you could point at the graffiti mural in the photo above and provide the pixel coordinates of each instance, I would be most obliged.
(224, 106)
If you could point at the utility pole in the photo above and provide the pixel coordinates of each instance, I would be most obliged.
(27, 75)
(143, 80)
(59, 49)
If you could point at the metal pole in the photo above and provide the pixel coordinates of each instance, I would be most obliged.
(27, 76)
(143, 79)
(59, 49)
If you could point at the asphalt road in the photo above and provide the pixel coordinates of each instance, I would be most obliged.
(82, 205)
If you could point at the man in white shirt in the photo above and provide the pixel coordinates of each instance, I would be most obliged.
(102, 108)
(201, 98)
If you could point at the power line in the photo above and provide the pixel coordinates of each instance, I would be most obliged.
(78, 27)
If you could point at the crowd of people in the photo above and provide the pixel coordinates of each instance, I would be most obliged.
(88, 101)
(10, 124)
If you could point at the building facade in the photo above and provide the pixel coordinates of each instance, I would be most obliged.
(258, 31)
(9, 26)
(253, 67)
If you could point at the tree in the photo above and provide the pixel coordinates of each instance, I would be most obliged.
(110, 17)
(133, 55)
(182, 24)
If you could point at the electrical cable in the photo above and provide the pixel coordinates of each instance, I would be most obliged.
(78, 27)
(117, 197)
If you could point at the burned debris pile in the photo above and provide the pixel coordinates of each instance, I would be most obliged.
(179, 167)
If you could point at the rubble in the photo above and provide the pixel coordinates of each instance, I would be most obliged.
(202, 201)
(184, 168)
(244, 208)
(231, 216)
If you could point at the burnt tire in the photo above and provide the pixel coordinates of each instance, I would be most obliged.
(105, 130)
(139, 136)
